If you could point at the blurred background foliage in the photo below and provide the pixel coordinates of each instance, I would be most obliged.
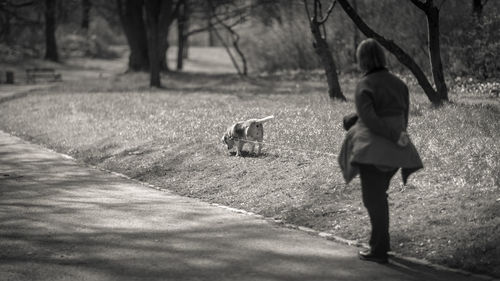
(275, 35)
(469, 45)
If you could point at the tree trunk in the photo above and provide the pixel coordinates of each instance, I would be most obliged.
(399, 53)
(5, 29)
(180, 49)
(323, 50)
(211, 37)
(211, 32)
(152, 8)
(355, 33)
(166, 17)
(163, 48)
(132, 21)
(185, 49)
(181, 21)
(86, 5)
(435, 52)
(187, 11)
(228, 50)
(182, 27)
(477, 8)
(50, 31)
(63, 15)
(235, 38)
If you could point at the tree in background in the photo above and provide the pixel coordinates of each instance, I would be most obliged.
(159, 16)
(355, 37)
(50, 31)
(131, 18)
(146, 24)
(153, 11)
(432, 14)
(228, 14)
(477, 8)
(86, 6)
(397, 51)
(167, 15)
(317, 24)
(218, 19)
(9, 11)
(476, 45)
(5, 18)
(182, 28)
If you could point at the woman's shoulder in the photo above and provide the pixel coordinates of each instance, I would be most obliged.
(364, 82)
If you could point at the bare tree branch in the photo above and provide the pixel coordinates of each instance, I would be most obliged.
(226, 17)
(198, 30)
(226, 13)
(207, 27)
(231, 56)
(10, 8)
(319, 12)
(316, 4)
(119, 7)
(421, 5)
(330, 9)
(399, 53)
(235, 38)
(176, 9)
(307, 10)
(18, 17)
(12, 5)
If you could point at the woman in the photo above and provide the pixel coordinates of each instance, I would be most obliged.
(377, 145)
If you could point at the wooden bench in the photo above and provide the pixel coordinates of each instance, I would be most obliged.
(46, 74)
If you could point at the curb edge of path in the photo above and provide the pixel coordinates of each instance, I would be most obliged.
(325, 235)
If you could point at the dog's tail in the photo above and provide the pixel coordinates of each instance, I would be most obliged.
(265, 119)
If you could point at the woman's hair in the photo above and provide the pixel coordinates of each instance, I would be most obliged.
(370, 55)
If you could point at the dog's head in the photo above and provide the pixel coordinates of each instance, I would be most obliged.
(228, 137)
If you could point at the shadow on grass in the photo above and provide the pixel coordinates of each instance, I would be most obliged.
(247, 154)
(22, 92)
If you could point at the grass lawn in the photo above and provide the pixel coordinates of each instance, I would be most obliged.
(448, 213)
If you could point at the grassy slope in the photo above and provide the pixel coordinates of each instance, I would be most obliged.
(447, 214)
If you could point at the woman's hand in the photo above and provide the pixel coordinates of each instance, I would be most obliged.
(404, 139)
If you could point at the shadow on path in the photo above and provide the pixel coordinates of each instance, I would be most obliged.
(61, 221)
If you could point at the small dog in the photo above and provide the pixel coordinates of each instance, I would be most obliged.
(250, 131)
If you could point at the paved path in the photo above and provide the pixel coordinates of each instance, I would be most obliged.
(9, 92)
(63, 221)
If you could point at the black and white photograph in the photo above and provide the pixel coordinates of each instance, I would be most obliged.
(250, 140)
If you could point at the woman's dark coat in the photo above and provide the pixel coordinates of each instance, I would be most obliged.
(382, 105)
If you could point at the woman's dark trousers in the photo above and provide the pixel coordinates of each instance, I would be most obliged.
(374, 185)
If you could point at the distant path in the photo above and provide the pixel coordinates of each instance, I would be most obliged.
(212, 60)
(63, 221)
(8, 92)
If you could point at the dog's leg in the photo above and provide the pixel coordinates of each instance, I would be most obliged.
(239, 148)
(260, 147)
(252, 147)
